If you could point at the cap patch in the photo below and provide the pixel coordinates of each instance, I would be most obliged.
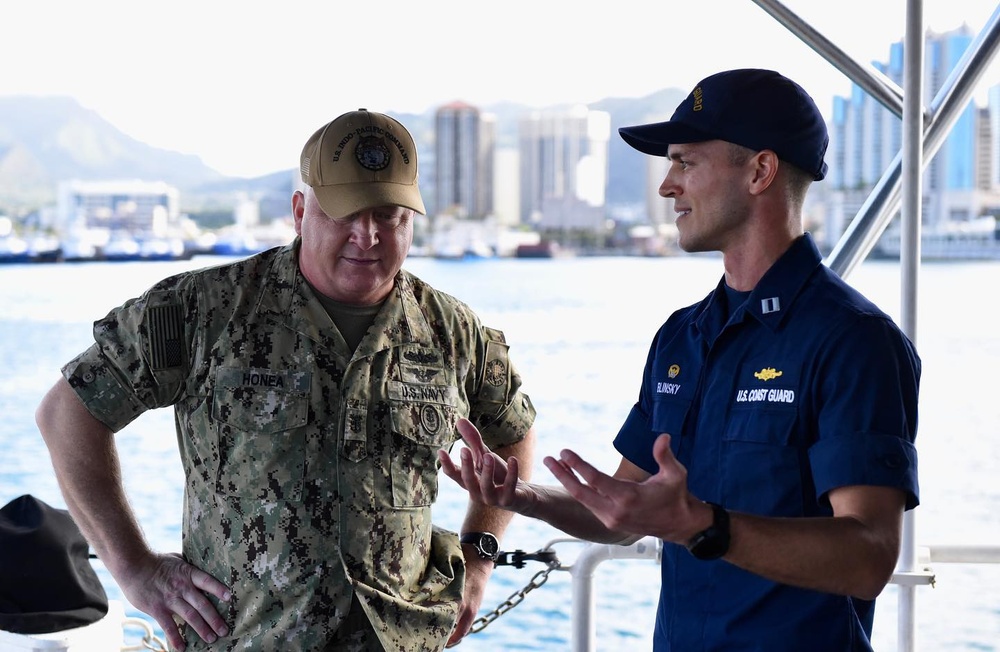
(698, 97)
(372, 154)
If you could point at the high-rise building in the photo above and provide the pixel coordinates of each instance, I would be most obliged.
(463, 162)
(993, 120)
(564, 168)
(865, 137)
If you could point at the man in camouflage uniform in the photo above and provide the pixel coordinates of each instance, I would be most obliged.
(312, 386)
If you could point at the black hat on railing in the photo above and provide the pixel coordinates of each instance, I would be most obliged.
(46, 581)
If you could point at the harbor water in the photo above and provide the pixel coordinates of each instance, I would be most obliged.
(579, 329)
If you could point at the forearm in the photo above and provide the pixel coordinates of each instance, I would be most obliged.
(839, 555)
(89, 474)
(556, 507)
(484, 518)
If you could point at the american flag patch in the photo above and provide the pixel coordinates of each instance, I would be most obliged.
(165, 328)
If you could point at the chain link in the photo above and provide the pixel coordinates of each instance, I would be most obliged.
(149, 640)
(515, 598)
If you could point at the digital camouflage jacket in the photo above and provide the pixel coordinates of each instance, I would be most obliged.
(310, 471)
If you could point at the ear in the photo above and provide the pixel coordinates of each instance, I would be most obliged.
(298, 209)
(764, 166)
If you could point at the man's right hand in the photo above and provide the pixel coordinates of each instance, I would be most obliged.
(485, 475)
(165, 586)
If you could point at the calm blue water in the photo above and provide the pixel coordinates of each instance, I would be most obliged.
(579, 330)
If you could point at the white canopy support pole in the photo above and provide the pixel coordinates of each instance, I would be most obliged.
(912, 166)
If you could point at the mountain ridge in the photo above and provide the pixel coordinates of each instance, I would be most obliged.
(48, 139)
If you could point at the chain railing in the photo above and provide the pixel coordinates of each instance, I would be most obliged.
(517, 559)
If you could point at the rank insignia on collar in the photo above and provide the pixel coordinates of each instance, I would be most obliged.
(771, 304)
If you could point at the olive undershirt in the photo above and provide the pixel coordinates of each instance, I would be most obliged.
(351, 321)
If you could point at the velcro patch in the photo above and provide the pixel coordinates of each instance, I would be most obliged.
(166, 324)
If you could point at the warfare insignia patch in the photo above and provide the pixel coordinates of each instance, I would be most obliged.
(372, 154)
(424, 375)
(768, 373)
(419, 357)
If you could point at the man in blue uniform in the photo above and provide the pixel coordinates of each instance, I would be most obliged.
(771, 446)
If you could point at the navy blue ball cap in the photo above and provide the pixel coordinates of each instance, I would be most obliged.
(758, 109)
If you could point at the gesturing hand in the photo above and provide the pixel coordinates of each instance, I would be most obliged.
(166, 585)
(659, 505)
(484, 474)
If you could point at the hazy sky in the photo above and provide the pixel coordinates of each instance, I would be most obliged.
(243, 84)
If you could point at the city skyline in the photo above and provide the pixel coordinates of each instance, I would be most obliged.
(243, 86)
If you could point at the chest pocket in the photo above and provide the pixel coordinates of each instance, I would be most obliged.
(423, 421)
(669, 413)
(764, 469)
(261, 416)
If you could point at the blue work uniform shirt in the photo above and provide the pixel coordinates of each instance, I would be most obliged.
(806, 388)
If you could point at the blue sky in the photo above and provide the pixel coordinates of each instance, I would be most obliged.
(243, 84)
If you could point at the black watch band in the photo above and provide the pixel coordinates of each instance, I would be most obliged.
(713, 542)
(485, 543)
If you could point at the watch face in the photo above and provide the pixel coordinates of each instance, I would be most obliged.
(489, 545)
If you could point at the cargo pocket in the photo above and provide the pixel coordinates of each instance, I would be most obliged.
(261, 417)
(419, 430)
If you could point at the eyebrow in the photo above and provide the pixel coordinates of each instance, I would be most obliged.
(675, 152)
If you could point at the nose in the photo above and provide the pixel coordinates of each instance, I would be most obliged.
(364, 231)
(669, 187)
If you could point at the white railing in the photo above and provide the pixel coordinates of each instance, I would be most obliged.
(582, 572)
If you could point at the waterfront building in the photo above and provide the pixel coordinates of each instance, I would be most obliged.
(464, 151)
(564, 169)
(961, 184)
(91, 215)
(992, 140)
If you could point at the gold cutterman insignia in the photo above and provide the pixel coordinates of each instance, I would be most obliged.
(767, 373)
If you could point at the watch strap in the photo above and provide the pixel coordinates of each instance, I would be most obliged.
(486, 544)
(712, 542)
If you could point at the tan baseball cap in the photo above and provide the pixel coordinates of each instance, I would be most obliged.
(362, 159)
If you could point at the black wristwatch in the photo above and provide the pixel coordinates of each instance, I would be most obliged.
(712, 542)
(485, 543)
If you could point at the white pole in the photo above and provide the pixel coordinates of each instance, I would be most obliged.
(913, 147)
(584, 630)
